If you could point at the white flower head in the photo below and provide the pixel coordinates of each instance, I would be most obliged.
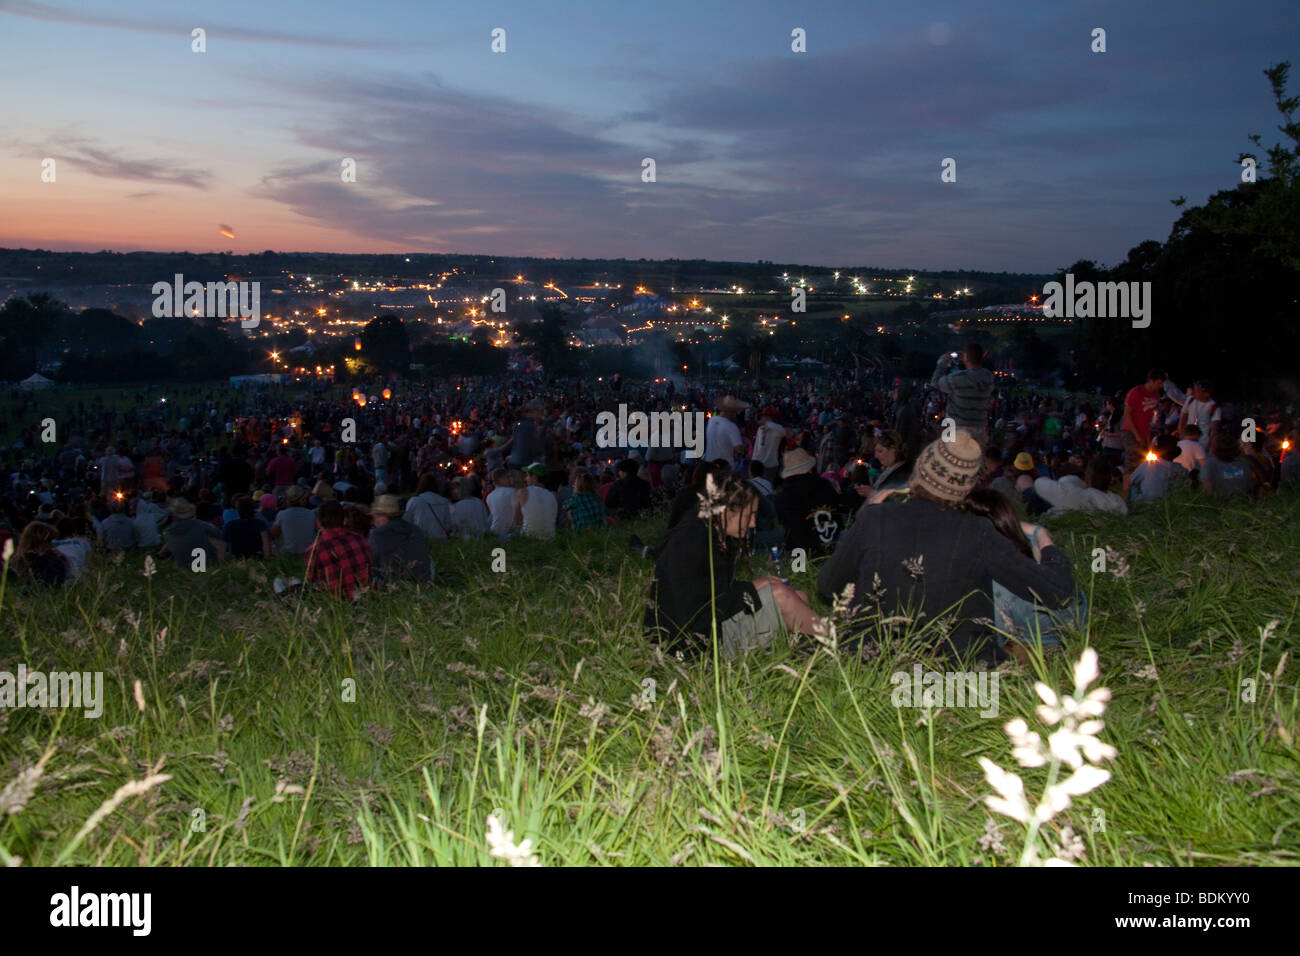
(1085, 671)
(1011, 789)
(501, 844)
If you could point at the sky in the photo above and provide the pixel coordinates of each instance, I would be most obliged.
(832, 156)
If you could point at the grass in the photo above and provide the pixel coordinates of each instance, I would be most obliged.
(532, 693)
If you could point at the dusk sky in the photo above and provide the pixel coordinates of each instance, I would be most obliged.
(826, 157)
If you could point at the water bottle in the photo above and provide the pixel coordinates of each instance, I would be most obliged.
(775, 557)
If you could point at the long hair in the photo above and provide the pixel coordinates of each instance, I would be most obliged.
(990, 504)
(37, 539)
(731, 493)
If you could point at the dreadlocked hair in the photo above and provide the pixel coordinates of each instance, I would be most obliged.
(731, 493)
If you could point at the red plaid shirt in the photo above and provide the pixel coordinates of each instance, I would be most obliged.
(341, 559)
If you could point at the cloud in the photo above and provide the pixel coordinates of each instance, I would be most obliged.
(98, 160)
(50, 13)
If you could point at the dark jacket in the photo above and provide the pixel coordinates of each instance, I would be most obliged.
(628, 496)
(679, 614)
(807, 505)
(399, 549)
(934, 564)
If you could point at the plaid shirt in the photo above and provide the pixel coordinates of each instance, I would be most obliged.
(585, 511)
(341, 559)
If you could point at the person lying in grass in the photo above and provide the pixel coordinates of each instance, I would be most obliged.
(694, 585)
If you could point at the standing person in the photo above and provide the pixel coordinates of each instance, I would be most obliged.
(397, 547)
(694, 586)
(113, 470)
(339, 558)
(968, 391)
(428, 510)
(1139, 408)
(929, 562)
(538, 507)
(282, 470)
(528, 442)
(722, 438)
(380, 455)
(769, 440)
(1201, 410)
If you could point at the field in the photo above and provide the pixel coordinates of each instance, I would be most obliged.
(303, 731)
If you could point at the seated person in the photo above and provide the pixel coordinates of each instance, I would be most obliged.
(339, 558)
(398, 549)
(629, 496)
(694, 586)
(807, 505)
(928, 560)
(1152, 480)
(187, 534)
(1020, 621)
(247, 536)
(1224, 474)
(36, 559)
(1074, 494)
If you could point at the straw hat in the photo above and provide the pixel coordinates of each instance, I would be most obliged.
(181, 508)
(386, 505)
(729, 403)
(797, 462)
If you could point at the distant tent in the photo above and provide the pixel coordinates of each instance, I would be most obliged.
(35, 381)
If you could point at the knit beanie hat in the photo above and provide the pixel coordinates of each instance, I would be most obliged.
(947, 470)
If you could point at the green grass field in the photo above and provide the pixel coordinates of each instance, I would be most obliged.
(527, 693)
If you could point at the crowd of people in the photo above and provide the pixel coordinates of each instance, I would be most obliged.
(913, 492)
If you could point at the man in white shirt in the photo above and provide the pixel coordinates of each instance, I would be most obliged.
(1191, 455)
(770, 440)
(722, 438)
(537, 504)
(502, 503)
(430, 511)
(1202, 411)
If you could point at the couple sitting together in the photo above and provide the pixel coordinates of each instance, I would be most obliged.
(951, 560)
